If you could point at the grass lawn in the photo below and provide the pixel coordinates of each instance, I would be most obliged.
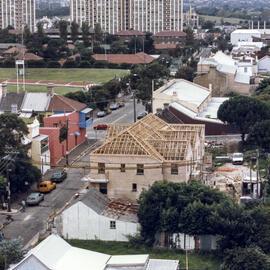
(66, 75)
(34, 88)
(218, 19)
(196, 261)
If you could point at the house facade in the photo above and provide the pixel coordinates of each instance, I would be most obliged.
(134, 157)
(93, 216)
(66, 131)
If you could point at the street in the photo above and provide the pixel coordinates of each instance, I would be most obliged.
(34, 220)
(122, 115)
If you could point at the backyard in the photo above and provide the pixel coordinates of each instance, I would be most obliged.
(196, 261)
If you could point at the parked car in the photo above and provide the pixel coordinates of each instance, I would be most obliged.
(59, 176)
(114, 106)
(101, 127)
(121, 104)
(142, 115)
(237, 158)
(101, 114)
(34, 198)
(46, 186)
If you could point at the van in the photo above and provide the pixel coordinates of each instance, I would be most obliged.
(237, 158)
(46, 186)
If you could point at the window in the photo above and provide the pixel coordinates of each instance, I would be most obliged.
(174, 169)
(134, 187)
(101, 168)
(112, 225)
(123, 168)
(140, 169)
(103, 188)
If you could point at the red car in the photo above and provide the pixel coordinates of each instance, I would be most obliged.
(101, 127)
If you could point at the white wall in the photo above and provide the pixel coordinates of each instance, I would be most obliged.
(81, 222)
(30, 263)
(264, 65)
(243, 37)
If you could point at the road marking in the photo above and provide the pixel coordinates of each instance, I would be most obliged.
(119, 118)
(27, 217)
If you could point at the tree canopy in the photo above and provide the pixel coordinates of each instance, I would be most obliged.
(243, 113)
(173, 207)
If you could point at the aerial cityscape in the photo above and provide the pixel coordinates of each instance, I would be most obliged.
(134, 135)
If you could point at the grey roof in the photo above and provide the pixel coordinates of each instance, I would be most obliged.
(115, 209)
(10, 99)
(95, 200)
(37, 102)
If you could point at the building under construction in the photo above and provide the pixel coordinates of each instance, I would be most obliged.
(134, 156)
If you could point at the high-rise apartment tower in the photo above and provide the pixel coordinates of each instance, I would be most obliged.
(18, 13)
(143, 15)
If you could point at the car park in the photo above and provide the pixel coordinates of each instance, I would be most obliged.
(101, 127)
(46, 186)
(59, 176)
(101, 114)
(141, 115)
(34, 198)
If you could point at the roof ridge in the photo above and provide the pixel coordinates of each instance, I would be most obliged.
(65, 101)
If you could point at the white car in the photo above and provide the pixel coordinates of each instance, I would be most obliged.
(237, 158)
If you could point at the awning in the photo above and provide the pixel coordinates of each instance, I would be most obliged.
(94, 181)
(87, 110)
(25, 115)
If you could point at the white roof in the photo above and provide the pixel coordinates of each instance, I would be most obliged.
(56, 254)
(246, 31)
(37, 102)
(156, 264)
(225, 63)
(128, 260)
(187, 91)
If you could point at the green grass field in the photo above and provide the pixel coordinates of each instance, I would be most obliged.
(66, 75)
(62, 75)
(218, 19)
(33, 88)
(196, 261)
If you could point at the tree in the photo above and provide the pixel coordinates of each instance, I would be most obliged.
(40, 30)
(185, 72)
(74, 31)
(243, 113)
(26, 34)
(63, 30)
(85, 34)
(208, 25)
(11, 251)
(264, 87)
(246, 258)
(259, 135)
(166, 206)
(98, 34)
(190, 37)
(12, 130)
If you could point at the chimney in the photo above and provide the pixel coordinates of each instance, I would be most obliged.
(3, 90)
(50, 87)
(166, 105)
(210, 87)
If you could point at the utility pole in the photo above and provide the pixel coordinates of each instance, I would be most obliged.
(134, 106)
(257, 172)
(8, 190)
(152, 96)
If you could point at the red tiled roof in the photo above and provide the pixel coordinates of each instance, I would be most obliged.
(138, 58)
(170, 34)
(28, 56)
(165, 46)
(130, 33)
(64, 104)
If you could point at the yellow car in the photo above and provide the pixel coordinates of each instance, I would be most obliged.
(46, 186)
